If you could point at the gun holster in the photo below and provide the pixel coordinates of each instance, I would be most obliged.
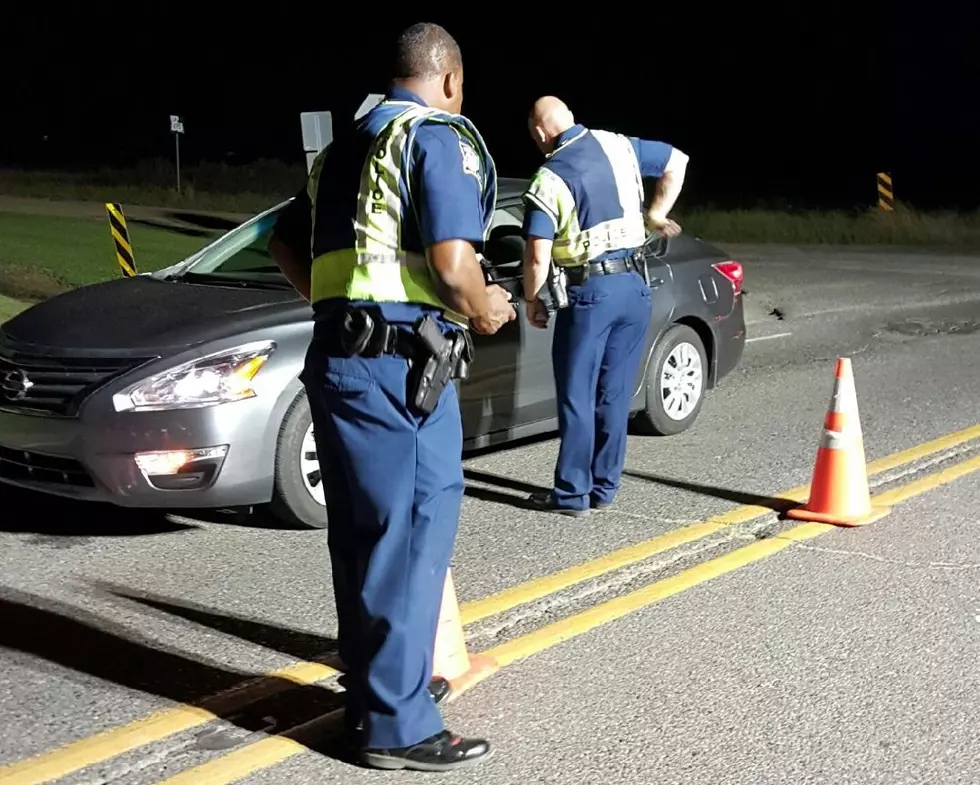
(557, 285)
(466, 357)
(441, 360)
(639, 261)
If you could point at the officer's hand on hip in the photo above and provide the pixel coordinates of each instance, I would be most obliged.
(663, 225)
(536, 313)
(499, 311)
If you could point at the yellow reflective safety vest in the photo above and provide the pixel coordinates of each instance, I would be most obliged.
(610, 224)
(378, 268)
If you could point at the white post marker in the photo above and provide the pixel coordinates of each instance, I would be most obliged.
(368, 104)
(317, 134)
(317, 127)
(177, 128)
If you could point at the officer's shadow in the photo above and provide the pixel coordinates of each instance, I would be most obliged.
(251, 705)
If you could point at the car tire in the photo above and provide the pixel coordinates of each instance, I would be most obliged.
(292, 501)
(679, 344)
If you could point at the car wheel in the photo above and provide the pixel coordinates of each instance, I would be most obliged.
(675, 384)
(298, 493)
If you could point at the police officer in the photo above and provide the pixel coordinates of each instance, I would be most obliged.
(585, 212)
(383, 243)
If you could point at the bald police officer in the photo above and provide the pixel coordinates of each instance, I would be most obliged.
(585, 211)
(383, 243)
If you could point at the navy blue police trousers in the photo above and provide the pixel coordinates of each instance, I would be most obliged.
(393, 482)
(596, 351)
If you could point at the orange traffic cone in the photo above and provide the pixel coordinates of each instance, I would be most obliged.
(451, 660)
(839, 489)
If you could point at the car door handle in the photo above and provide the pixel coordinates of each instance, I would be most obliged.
(655, 282)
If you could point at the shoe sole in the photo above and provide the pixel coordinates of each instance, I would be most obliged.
(389, 763)
(560, 511)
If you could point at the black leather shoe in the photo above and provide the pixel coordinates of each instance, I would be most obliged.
(443, 752)
(439, 689)
(545, 502)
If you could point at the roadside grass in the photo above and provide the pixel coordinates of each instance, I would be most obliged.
(207, 187)
(43, 255)
(10, 308)
(76, 251)
(903, 227)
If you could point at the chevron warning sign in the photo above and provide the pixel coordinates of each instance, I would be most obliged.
(120, 236)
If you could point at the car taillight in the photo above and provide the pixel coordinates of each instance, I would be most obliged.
(733, 272)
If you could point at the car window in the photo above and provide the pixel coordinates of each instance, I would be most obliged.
(509, 215)
(244, 250)
(253, 258)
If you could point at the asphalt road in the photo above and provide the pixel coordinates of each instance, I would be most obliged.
(748, 655)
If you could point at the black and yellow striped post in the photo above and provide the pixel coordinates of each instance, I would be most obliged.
(886, 196)
(120, 236)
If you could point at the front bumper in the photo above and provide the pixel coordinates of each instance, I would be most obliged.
(94, 457)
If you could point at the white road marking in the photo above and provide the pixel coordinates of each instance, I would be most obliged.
(767, 337)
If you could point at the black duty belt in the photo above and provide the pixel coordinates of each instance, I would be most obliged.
(579, 273)
(333, 336)
(435, 358)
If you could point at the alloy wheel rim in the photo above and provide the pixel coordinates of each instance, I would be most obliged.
(681, 381)
(309, 467)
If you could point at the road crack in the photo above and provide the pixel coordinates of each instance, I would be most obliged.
(917, 467)
(766, 526)
(932, 565)
(654, 519)
(166, 754)
(619, 580)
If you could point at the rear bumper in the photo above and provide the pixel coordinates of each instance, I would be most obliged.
(729, 343)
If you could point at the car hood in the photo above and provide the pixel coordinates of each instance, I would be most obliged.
(145, 313)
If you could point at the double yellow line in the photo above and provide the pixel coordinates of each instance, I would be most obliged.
(78, 755)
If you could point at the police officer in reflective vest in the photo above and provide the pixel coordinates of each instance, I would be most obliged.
(383, 243)
(585, 224)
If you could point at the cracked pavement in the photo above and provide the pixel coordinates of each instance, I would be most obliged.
(850, 658)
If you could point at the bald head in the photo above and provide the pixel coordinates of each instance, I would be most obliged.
(428, 62)
(549, 118)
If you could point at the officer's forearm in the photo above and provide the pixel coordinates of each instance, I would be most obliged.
(669, 185)
(459, 278)
(296, 270)
(537, 258)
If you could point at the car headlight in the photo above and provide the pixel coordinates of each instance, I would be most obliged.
(218, 378)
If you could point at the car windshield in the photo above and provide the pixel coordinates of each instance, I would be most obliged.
(242, 254)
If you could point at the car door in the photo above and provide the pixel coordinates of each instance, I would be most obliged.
(510, 382)
(660, 279)
(662, 288)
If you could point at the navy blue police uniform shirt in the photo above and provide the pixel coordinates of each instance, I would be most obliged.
(448, 199)
(652, 156)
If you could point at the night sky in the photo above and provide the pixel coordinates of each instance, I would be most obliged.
(795, 105)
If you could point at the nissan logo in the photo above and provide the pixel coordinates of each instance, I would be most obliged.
(16, 385)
